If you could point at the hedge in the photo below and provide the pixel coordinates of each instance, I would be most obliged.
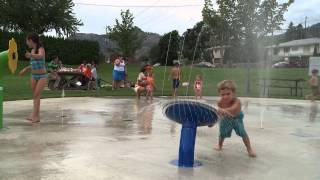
(71, 52)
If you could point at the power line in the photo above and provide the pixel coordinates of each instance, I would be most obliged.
(146, 9)
(140, 6)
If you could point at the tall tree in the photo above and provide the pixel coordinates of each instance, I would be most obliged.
(300, 32)
(217, 26)
(128, 37)
(290, 33)
(169, 48)
(39, 16)
(271, 16)
(193, 49)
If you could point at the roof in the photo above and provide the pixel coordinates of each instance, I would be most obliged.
(301, 42)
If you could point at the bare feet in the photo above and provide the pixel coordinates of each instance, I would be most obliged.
(217, 148)
(30, 118)
(36, 120)
(251, 153)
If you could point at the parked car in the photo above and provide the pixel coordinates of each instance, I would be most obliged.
(205, 64)
(285, 64)
(281, 64)
(156, 65)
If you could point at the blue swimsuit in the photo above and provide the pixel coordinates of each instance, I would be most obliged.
(37, 65)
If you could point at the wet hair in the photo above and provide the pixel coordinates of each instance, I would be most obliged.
(227, 84)
(35, 38)
(200, 77)
(315, 71)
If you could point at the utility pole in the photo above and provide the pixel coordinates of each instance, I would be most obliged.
(305, 22)
(305, 27)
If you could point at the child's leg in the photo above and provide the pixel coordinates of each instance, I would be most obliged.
(36, 98)
(247, 143)
(33, 87)
(220, 144)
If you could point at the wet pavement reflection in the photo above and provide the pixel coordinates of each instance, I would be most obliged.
(105, 138)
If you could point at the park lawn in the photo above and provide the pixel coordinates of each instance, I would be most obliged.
(18, 88)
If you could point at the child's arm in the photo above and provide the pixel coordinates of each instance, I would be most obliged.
(235, 109)
(39, 55)
(24, 71)
(312, 81)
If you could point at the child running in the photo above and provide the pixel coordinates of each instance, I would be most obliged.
(229, 108)
(176, 77)
(197, 87)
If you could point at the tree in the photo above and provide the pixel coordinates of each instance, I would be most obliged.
(128, 37)
(154, 53)
(300, 32)
(290, 33)
(217, 25)
(192, 48)
(271, 16)
(170, 40)
(39, 16)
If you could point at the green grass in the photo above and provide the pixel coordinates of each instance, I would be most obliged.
(17, 88)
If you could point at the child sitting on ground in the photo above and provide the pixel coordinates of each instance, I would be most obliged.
(229, 108)
(197, 87)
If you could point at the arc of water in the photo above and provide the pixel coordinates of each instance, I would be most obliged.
(165, 68)
(193, 59)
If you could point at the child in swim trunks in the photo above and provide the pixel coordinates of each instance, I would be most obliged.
(176, 77)
(229, 108)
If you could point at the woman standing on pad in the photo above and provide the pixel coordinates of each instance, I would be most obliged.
(38, 73)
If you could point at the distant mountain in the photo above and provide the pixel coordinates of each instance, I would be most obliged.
(107, 46)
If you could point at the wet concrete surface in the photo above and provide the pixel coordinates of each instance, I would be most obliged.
(105, 138)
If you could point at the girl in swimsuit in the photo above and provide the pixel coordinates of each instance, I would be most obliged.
(38, 73)
(197, 87)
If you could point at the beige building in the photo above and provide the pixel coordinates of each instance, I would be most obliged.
(298, 51)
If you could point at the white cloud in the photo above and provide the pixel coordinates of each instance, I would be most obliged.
(150, 19)
(162, 20)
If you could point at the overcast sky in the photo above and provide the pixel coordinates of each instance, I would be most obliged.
(165, 19)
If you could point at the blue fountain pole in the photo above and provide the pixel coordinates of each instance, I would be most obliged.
(187, 143)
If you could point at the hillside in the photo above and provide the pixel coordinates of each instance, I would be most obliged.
(107, 46)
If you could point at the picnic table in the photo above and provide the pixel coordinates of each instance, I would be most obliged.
(285, 83)
(71, 79)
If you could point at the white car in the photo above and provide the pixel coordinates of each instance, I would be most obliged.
(281, 64)
(157, 65)
(205, 64)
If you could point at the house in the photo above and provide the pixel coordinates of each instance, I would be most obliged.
(297, 51)
(218, 54)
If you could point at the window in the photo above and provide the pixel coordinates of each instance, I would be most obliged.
(294, 49)
(306, 49)
(286, 50)
(275, 51)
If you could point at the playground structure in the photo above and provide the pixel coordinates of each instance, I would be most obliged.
(9, 57)
(191, 115)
